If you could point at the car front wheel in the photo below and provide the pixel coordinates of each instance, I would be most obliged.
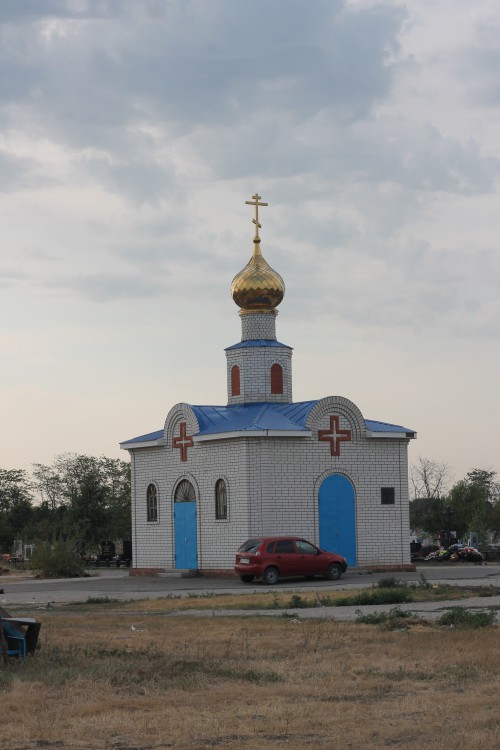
(271, 576)
(334, 572)
(247, 579)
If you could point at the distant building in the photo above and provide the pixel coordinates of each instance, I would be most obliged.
(262, 464)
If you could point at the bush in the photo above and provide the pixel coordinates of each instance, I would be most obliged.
(461, 617)
(377, 596)
(58, 560)
(390, 583)
(376, 618)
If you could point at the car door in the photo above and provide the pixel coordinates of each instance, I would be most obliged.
(286, 557)
(309, 561)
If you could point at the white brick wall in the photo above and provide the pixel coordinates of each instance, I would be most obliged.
(258, 325)
(255, 374)
(273, 486)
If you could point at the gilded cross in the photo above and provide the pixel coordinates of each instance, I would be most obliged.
(334, 435)
(255, 202)
(183, 441)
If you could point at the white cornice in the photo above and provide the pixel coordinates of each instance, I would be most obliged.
(136, 445)
(252, 434)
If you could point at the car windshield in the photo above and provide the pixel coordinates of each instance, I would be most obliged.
(251, 545)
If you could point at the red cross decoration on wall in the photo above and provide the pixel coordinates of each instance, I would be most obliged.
(183, 441)
(334, 435)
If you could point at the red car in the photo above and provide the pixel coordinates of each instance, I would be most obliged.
(275, 557)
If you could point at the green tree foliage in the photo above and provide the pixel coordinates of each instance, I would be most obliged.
(429, 482)
(474, 501)
(57, 560)
(81, 499)
(15, 505)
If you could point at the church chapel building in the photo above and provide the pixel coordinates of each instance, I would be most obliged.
(263, 464)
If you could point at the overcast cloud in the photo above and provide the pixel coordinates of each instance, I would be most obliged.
(131, 134)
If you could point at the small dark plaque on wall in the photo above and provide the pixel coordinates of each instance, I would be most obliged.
(387, 495)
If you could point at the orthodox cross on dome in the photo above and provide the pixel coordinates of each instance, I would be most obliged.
(334, 435)
(255, 202)
(183, 441)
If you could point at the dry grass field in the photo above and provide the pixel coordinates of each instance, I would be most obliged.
(133, 677)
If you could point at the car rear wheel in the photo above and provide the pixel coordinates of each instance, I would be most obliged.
(271, 576)
(334, 572)
(247, 579)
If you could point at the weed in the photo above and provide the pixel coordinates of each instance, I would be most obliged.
(376, 596)
(324, 601)
(297, 602)
(461, 617)
(98, 600)
(488, 591)
(378, 617)
(389, 583)
(423, 583)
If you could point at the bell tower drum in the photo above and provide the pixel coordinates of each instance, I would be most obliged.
(259, 368)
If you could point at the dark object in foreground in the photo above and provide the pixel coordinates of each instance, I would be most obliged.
(272, 558)
(18, 635)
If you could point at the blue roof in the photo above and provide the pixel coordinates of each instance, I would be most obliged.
(243, 417)
(256, 342)
(146, 438)
(385, 427)
(213, 420)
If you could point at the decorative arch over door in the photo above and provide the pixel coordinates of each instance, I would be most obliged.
(185, 526)
(337, 517)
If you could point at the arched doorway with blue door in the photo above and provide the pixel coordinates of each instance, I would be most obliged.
(337, 517)
(185, 526)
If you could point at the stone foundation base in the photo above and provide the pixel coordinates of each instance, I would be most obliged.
(228, 573)
(407, 567)
(144, 571)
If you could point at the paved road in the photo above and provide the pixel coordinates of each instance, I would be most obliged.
(117, 584)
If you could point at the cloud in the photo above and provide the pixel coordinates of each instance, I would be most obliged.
(479, 65)
(111, 287)
(95, 82)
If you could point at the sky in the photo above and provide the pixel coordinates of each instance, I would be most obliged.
(131, 134)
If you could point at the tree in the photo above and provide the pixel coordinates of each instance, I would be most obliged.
(429, 481)
(14, 487)
(15, 505)
(472, 501)
(48, 482)
(96, 492)
(117, 477)
(484, 478)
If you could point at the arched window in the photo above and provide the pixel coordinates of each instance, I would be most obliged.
(235, 380)
(220, 499)
(276, 379)
(184, 492)
(152, 502)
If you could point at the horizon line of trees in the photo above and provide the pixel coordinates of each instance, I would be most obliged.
(471, 504)
(77, 498)
(86, 499)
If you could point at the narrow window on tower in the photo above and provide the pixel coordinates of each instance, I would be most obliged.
(152, 503)
(220, 500)
(235, 380)
(276, 379)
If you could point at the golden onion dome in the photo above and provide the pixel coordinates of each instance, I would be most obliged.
(258, 287)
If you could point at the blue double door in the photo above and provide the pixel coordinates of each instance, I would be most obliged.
(185, 535)
(337, 517)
